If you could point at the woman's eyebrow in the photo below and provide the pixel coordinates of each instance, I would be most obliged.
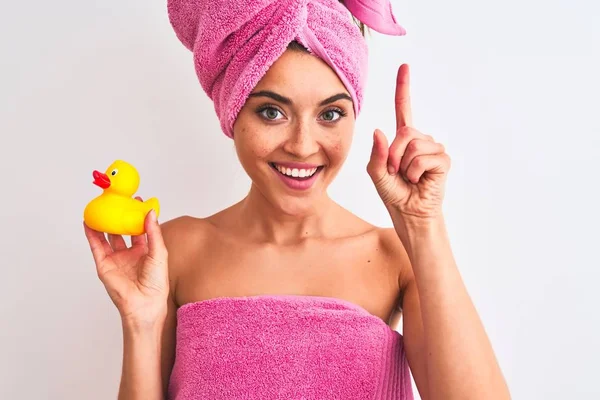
(273, 95)
(336, 97)
(288, 101)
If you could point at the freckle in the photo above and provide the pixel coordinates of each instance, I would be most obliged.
(369, 261)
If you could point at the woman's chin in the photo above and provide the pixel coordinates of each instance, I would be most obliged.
(296, 206)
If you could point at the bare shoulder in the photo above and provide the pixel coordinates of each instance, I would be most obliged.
(390, 242)
(395, 253)
(184, 238)
(182, 232)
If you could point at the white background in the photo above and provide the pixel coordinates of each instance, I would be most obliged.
(510, 87)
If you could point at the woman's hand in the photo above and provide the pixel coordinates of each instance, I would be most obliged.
(410, 176)
(136, 278)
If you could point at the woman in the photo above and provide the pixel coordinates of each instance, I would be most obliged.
(289, 240)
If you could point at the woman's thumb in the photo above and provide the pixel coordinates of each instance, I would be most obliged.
(377, 166)
(156, 245)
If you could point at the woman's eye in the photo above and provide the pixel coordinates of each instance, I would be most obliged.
(270, 113)
(332, 115)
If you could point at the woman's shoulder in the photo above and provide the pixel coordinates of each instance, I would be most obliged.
(390, 241)
(396, 254)
(386, 237)
(391, 253)
(185, 229)
(387, 241)
(185, 237)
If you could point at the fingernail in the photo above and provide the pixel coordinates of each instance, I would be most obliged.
(152, 215)
(391, 170)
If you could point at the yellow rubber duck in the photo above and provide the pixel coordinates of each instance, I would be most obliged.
(115, 210)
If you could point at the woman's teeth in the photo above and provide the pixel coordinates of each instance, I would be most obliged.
(296, 172)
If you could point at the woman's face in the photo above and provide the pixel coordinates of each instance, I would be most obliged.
(294, 132)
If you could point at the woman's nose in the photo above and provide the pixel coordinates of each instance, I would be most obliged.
(301, 141)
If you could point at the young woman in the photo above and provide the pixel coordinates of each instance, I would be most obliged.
(287, 239)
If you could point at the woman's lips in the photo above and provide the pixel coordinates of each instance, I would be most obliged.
(297, 183)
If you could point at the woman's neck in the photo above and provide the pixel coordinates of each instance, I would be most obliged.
(265, 222)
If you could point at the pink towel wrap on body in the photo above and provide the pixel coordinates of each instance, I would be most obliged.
(286, 347)
(234, 42)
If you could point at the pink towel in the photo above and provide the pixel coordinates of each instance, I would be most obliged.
(288, 347)
(236, 41)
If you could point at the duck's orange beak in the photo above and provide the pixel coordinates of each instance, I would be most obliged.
(101, 179)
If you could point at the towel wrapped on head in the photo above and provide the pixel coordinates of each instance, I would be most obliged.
(234, 42)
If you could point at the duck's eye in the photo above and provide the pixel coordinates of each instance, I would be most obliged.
(114, 172)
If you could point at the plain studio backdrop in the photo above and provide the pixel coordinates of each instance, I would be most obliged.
(511, 88)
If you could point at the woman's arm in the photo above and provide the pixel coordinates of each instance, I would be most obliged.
(148, 352)
(137, 280)
(149, 348)
(141, 372)
(446, 344)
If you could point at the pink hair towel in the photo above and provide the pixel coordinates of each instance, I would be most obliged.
(287, 347)
(234, 42)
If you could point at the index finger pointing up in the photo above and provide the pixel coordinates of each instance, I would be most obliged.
(403, 110)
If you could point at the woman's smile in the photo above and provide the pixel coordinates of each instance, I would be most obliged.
(297, 176)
